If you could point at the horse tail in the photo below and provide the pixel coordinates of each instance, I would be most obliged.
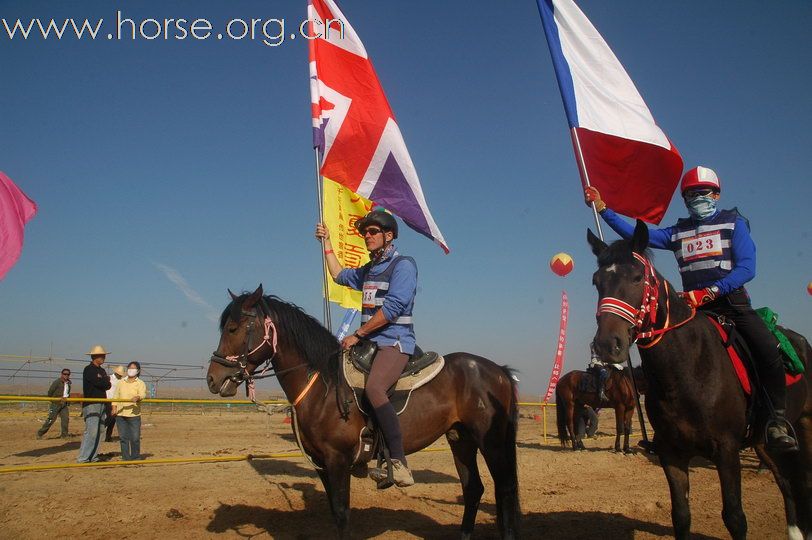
(561, 416)
(511, 505)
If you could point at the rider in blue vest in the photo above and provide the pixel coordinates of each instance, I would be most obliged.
(716, 257)
(388, 284)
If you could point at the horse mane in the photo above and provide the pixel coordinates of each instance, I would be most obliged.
(317, 345)
(620, 252)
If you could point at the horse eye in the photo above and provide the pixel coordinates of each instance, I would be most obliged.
(638, 279)
(232, 329)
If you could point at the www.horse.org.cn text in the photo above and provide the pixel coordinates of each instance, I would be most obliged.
(271, 32)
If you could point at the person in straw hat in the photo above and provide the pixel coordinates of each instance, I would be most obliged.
(118, 373)
(95, 383)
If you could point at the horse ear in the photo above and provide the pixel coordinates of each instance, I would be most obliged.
(233, 296)
(253, 298)
(640, 238)
(597, 244)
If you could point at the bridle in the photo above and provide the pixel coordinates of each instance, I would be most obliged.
(244, 360)
(646, 315)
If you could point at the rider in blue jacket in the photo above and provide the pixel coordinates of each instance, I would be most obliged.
(388, 284)
(716, 257)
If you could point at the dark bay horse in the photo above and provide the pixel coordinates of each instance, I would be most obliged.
(569, 398)
(694, 399)
(471, 401)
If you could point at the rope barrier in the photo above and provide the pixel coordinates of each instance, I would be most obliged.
(163, 461)
(23, 399)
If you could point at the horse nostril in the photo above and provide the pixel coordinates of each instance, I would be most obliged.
(616, 348)
(210, 380)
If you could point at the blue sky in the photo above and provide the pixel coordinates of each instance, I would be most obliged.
(167, 171)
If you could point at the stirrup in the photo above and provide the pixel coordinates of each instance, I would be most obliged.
(787, 441)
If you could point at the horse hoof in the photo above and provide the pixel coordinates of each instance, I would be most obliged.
(360, 471)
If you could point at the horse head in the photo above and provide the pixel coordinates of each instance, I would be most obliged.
(247, 339)
(626, 284)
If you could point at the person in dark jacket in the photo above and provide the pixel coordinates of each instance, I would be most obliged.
(95, 382)
(716, 257)
(59, 388)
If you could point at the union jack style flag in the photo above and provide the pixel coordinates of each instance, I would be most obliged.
(354, 126)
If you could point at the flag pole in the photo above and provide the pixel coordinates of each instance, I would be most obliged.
(579, 158)
(319, 195)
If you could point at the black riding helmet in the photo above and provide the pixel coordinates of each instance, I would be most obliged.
(381, 218)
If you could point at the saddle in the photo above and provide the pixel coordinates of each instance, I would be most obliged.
(589, 384)
(420, 369)
(739, 353)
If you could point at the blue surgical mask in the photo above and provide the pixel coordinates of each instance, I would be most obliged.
(701, 207)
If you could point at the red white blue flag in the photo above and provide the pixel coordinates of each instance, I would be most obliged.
(360, 141)
(624, 153)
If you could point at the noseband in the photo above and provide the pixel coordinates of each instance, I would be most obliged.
(646, 314)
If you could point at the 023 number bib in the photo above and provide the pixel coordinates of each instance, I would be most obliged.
(702, 246)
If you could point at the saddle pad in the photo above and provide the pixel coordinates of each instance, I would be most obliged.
(400, 392)
(738, 364)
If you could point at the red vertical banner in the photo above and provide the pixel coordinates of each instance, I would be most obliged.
(558, 365)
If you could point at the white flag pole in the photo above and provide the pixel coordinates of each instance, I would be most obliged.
(320, 193)
(579, 158)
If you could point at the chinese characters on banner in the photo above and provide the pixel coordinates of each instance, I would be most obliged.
(558, 365)
(342, 208)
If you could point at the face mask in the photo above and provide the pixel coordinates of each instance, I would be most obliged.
(701, 207)
(132, 372)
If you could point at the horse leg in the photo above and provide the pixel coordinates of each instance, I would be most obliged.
(728, 465)
(627, 429)
(619, 422)
(571, 423)
(464, 449)
(785, 486)
(499, 451)
(676, 473)
(336, 479)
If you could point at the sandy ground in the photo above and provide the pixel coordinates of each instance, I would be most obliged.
(564, 494)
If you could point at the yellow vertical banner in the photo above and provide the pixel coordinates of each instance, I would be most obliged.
(342, 208)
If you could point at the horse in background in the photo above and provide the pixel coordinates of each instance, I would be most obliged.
(695, 401)
(471, 401)
(570, 397)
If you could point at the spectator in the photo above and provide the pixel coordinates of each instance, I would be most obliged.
(94, 383)
(118, 374)
(128, 413)
(59, 388)
(587, 422)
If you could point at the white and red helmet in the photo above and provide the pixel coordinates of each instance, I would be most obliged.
(700, 177)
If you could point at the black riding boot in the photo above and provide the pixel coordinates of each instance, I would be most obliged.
(778, 435)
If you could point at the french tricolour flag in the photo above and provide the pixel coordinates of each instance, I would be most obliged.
(623, 152)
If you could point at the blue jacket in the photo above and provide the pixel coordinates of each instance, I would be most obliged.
(742, 251)
(398, 301)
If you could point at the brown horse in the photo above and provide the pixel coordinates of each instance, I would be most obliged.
(694, 400)
(471, 401)
(569, 398)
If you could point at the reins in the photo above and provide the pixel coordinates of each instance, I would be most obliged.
(646, 314)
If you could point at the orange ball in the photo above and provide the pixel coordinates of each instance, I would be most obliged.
(809, 287)
(561, 264)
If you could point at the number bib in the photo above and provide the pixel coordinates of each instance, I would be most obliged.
(368, 295)
(702, 246)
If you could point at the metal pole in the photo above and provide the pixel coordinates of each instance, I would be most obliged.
(319, 183)
(579, 158)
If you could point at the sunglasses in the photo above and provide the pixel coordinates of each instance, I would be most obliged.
(693, 193)
(371, 231)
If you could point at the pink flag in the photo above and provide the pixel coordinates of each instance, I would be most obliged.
(15, 211)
